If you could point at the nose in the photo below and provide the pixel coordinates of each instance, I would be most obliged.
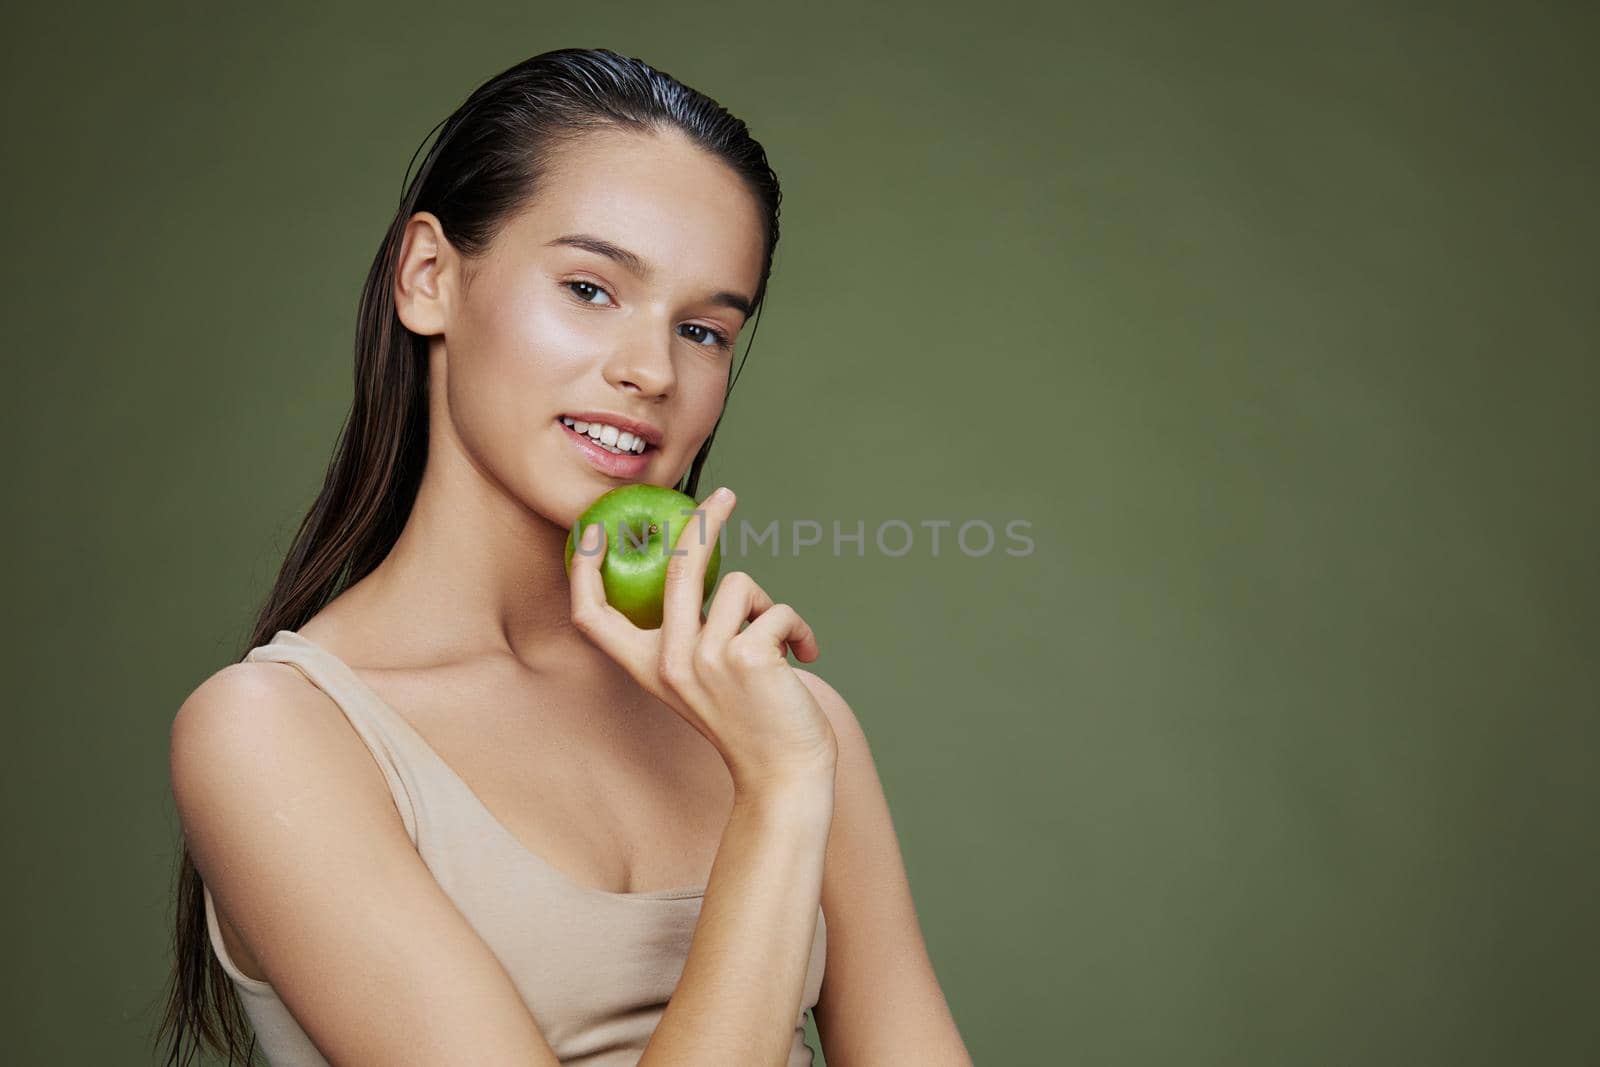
(643, 363)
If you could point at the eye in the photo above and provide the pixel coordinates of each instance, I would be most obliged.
(584, 290)
(577, 286)
(718, 338)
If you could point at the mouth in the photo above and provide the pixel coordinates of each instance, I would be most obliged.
(607, 458)
(609, 438)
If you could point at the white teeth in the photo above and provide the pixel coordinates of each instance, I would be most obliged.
(608, 437)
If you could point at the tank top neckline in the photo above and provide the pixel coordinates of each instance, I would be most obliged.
(347, 674)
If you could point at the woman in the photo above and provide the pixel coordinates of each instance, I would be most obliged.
(453, 807)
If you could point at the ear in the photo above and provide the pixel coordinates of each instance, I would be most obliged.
(424, 276)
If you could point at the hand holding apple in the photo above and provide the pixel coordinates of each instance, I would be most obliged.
(639, 519)
(734, 686)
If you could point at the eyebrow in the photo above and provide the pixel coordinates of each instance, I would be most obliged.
(635, 264)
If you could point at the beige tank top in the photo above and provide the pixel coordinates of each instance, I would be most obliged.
(595, 968)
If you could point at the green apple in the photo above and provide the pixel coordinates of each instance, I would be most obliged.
(638, 519)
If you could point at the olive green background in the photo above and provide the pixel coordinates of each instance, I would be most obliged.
(1276, 321)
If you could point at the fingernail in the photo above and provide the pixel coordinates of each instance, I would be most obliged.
(722, 495)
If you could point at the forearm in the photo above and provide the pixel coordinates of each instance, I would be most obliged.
(740, 992)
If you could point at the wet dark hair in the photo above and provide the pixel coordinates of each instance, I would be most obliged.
(486, 164)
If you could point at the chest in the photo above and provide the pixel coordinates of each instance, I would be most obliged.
(626, 799)
(622, 796)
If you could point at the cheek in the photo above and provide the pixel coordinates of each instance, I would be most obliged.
(508, 365)
(519, 347)
(508, 329)
(707, 407)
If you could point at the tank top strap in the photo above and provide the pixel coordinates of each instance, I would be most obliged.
(388, 737)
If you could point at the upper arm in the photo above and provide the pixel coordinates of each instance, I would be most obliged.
(290, 822)
(880, 1000)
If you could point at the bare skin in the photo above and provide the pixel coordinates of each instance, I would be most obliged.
(629, 760)
(466, 629)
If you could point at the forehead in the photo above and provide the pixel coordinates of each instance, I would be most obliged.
(685, 212)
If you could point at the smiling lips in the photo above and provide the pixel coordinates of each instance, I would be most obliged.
(608, 437)
(608, 459)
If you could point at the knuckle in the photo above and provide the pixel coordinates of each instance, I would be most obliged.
(671, 669)
(678, 570)
(705, 659)
(733, 584)
(747, 657)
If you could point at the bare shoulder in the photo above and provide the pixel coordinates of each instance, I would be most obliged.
(841, 716)
(249, 720)
(247, 697)
(291, 825)
(235, 694)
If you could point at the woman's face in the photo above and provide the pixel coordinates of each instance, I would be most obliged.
(552, 323)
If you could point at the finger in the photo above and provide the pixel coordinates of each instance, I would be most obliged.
(737, 599)
(592, 614)
(780, 625)
(696, 535)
